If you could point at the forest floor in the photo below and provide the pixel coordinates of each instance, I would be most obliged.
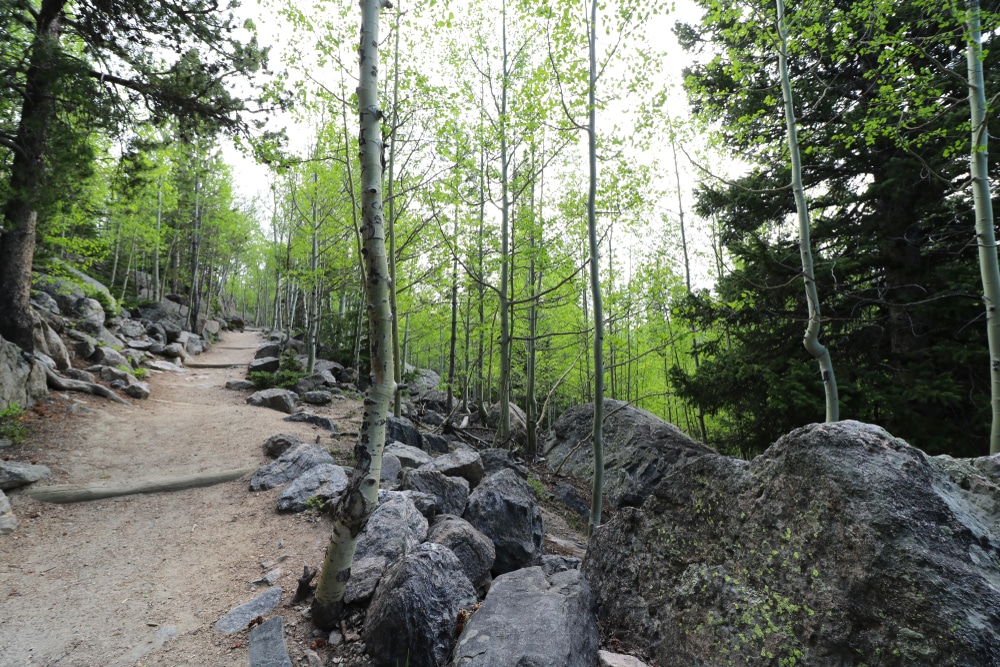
(140, 580)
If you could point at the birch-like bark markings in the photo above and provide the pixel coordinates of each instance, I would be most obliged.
(359, 501)
(811, 338)
(985, 237)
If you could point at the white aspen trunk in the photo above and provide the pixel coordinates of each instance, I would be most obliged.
(811, 338)
(983, 201)
(360, 498)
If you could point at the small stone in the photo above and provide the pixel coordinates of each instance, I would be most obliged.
(240, 385)
(609, 659)
(268, 579)
(315, 420)
(138, 389)
(335, 639)
(8, 522)
(312, 658)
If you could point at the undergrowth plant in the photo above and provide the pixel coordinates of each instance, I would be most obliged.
(12, 423)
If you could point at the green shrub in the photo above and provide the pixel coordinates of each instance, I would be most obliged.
(289, 372)
(12, 423)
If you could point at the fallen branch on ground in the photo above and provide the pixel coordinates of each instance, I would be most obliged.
(75, 493)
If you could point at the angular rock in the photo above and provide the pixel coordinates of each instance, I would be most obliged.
(268, 350)
(172, 330)
(175, 351)
(451, 492)
(409, 457)
(425, 503)
(518, 423)
(65, 292)
(110, 374)
(401, 429)
(195, 344)
(435, 444)
(310, 383)
(412, 617)
(495, 460)
(571, 498)
(22, 379)
(639, 449)
(421, 379)
(394, 528)
(553, 563)
(280, 443)
(45, 301)
(432, 418)
(365, 575)
(282, 400)
(240, 385)
(315, 420)
(89, 314)
(391, 467)
(239, 617)
(85, 344)
(530, 618)
(326, 481)
(8, 522)
(49, 342)
(503, 507)
(317, 397)
(289, 466)
(267, 644)
(838, 544)
(138, 390)
(131, 329)
(156, 331)
(460, 463)
(265, 365)
(14, 474)
(160, 365)
(474, 550)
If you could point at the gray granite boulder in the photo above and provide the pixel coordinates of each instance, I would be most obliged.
(8, 522)
(840, 544)
(401, 429)
(435, 444)
(289, 466)
(279, 443)
(137, 389)
(326, 481)
(269, 349)
(473, 548)
(412, 617)
(315, 420)
(240, 385)
(503, 507)
(22, 379)
(451, 492)
(89, 315)
(14, 474)
(391, 468)
(459, 463)
(639, 449)
(45, 301)
(85, 345)
(530, 618)
(317, 397)
(495, 460)
(265, 365)
(409, 457)
(282, 400)
(394, 528)
(365, 574)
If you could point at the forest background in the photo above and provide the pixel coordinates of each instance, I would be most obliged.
(484, 103)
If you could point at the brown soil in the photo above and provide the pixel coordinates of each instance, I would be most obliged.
(140, 580)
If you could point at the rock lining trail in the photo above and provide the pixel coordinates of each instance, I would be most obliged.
(141, 579)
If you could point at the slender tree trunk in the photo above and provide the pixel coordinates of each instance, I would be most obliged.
(361, 497)
(811, 338)
(397, 366)
(313, 269)
(155, 295)
(984, 211)
(194, 304)
(454, 312)
(595, 283)
(503, 431)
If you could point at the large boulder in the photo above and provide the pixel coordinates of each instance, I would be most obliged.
(89, 315)
(531, 618)
(503, 507)
(639, 449)
(451, 492)
(394, 528)
(420, 380)
(282, 400)
(289, 466)
(14, 474)
(22, 379)
(401, 429)
(413, 616)
(409, 457)
(839, 544)
(474, 550)
(279, 443)
(265, 365)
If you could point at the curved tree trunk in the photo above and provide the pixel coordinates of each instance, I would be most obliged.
(361, 497)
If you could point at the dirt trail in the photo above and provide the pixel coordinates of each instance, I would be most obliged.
(140, 580)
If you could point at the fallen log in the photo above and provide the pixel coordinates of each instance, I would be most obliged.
(75, 493)
(211, 364)
(60, 383)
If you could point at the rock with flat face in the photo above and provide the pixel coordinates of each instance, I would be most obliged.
(265, 365)
(240, 385)
(503, 507)
(279, 443)
(838, 544)
(474, 550)
(282, 400)
(326, 481)
(459, 463)
(14, 474)
(413, 615)
(409, 457)
(639, 449)
(530, 618)
(267, 644)
(22, 379)
(8, 522)
(394, 528)
(239, 617)
(451, 492)
(401, 429)
(289, 466)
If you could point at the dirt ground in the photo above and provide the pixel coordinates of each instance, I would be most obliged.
(140, 580)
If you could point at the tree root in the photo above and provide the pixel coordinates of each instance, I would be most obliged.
(60, 383)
